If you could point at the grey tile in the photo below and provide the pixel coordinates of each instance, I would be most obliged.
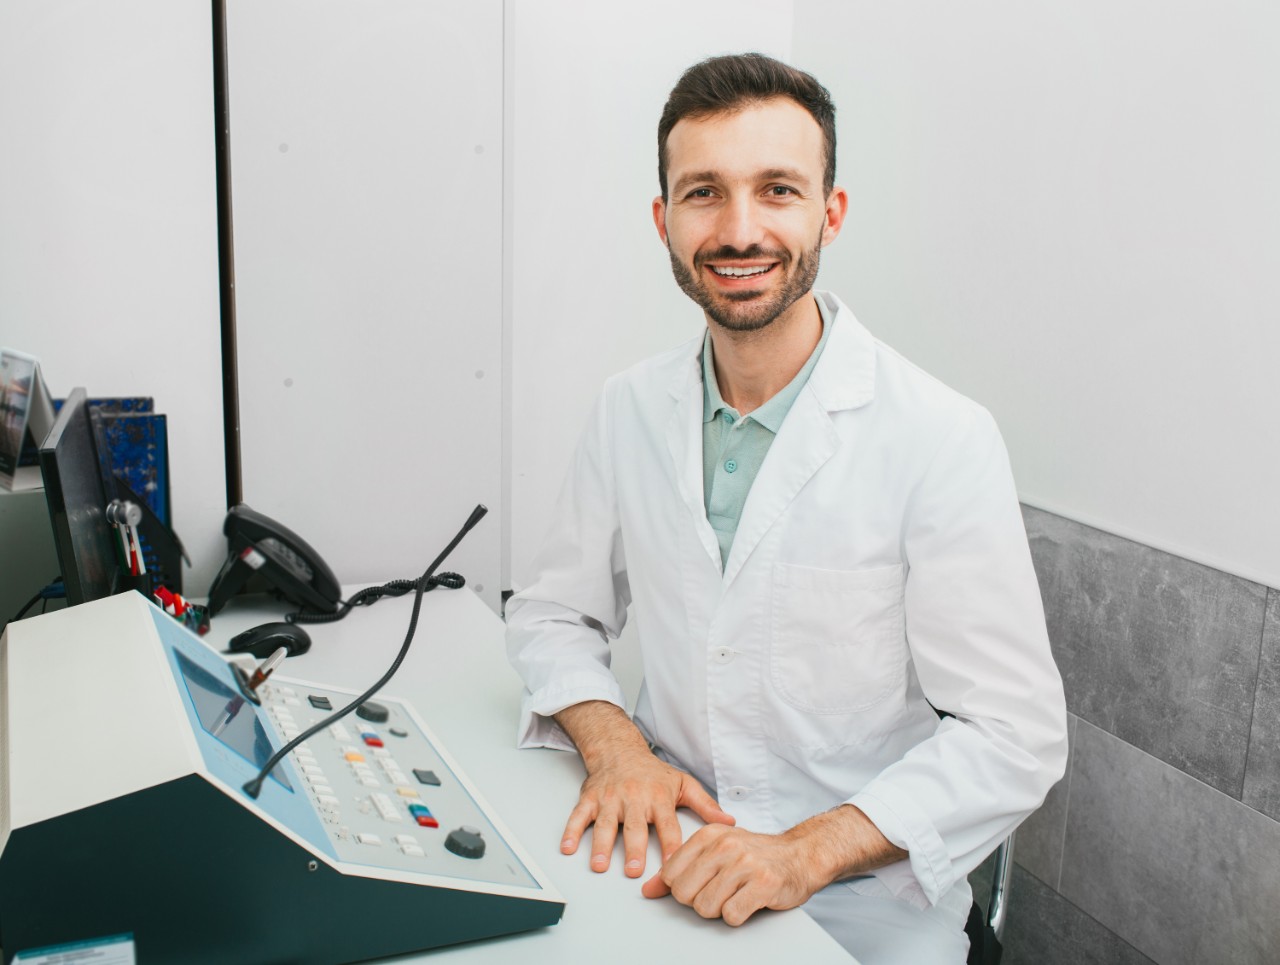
(1043, 928)
(1262, 775)
(1181, 871)
(1038, 846)
(1153, 648)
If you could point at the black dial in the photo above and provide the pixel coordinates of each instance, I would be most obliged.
(465, 842)
(374, 712)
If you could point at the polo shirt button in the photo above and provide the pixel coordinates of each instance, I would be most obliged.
(739, 793)
(730, 466)
(728, 417)
(723, 655)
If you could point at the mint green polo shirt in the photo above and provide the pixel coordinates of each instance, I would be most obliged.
(734, 445)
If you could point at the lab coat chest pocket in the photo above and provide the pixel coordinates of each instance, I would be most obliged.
(837, 644)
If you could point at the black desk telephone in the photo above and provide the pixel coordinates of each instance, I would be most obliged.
(264, 556)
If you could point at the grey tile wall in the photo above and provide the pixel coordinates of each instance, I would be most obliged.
(1153, 648)
(1262, 775)
(1043, 928)
(1184, 873)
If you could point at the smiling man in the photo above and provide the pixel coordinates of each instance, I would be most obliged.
(846, 671)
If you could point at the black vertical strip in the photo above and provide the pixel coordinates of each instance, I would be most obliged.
(226, 257)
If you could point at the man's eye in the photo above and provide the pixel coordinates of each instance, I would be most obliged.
(700, 193)
(781, 191)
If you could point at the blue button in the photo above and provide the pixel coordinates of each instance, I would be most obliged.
(728, 417)
(730, 466)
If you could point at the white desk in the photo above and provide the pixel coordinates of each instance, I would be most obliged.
(458, 679)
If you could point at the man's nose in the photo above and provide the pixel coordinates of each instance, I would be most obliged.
(739, 224)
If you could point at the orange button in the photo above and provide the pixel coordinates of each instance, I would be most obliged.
(355, 758)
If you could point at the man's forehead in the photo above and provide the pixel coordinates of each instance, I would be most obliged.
(751, 140)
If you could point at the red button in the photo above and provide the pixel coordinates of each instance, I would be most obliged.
(373, 741)
(427, 821)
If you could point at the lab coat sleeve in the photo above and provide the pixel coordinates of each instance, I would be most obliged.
(976, 634)
(559, 626)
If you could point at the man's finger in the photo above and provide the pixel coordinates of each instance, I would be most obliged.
(669, 835)
(655, 887)
(579, 818)
(603, 833)
(635, 841)
(702, 804)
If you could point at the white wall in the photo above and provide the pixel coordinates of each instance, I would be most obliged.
(108, 234)
(367, 184)
(1069, 212)
(590, 286)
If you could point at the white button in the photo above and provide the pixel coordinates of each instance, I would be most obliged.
(371, 839)
(323, 790)
(413, 851)
(723, 655)
(328, 801)
(403, 839)
(397, 778)
(369, 781)
(311, 770)
(381, 752)
(286, 691)
(293, 701)
(739, 793)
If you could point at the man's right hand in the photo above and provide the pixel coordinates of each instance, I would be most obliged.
(627, 787)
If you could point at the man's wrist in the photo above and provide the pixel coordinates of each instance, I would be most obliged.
(839, 844)
(602, 732)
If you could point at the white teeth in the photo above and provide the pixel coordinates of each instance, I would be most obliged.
(740, 272)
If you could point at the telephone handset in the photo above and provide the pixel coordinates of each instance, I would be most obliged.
(266, 556)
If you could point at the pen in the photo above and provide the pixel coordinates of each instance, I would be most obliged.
(265, 669)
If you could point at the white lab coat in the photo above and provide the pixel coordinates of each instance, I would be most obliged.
(880, 570)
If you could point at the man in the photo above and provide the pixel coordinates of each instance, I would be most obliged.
(824, 552)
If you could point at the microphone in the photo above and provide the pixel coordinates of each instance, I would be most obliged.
(254, 787)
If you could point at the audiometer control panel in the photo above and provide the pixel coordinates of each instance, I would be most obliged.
(384, 793)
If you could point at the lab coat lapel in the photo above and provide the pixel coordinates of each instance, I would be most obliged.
(684, 444)
(805, 441)
(844, 378)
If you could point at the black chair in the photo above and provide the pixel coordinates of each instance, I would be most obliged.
(986, 932)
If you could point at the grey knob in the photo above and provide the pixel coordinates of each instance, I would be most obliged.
(373, 712)
(465, 842)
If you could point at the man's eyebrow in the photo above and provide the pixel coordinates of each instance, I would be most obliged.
(693, 177)
(791, 175)
(784, 174)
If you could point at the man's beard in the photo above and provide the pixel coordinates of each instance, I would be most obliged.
(747, 311)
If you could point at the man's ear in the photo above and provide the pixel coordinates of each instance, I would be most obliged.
(660, 218)
(837, 209)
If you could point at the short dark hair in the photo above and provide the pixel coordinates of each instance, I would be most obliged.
(732, 82)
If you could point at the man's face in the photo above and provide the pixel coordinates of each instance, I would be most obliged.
(746, 218)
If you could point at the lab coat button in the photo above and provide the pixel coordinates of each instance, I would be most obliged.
(739, 793)
(723, 655)
(730, 466)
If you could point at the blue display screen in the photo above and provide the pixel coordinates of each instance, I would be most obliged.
(227, 716)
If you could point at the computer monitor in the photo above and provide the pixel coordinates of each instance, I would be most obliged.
(77, 494)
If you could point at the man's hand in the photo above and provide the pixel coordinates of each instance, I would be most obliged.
(730, 873)
(627, 787)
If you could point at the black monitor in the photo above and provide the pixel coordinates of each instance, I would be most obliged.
(88, 551)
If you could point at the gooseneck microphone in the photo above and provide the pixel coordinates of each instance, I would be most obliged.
(254, 787)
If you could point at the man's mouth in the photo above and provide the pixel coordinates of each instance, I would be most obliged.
(730, 271)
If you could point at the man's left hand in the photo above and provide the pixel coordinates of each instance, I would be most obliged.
(727, 872)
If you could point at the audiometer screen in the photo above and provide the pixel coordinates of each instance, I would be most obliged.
(226, 715)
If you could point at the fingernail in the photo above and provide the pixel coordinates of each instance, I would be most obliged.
(633, 864)
(599, 860)
(568, 843)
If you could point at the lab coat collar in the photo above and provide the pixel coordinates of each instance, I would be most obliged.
(844, 378)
